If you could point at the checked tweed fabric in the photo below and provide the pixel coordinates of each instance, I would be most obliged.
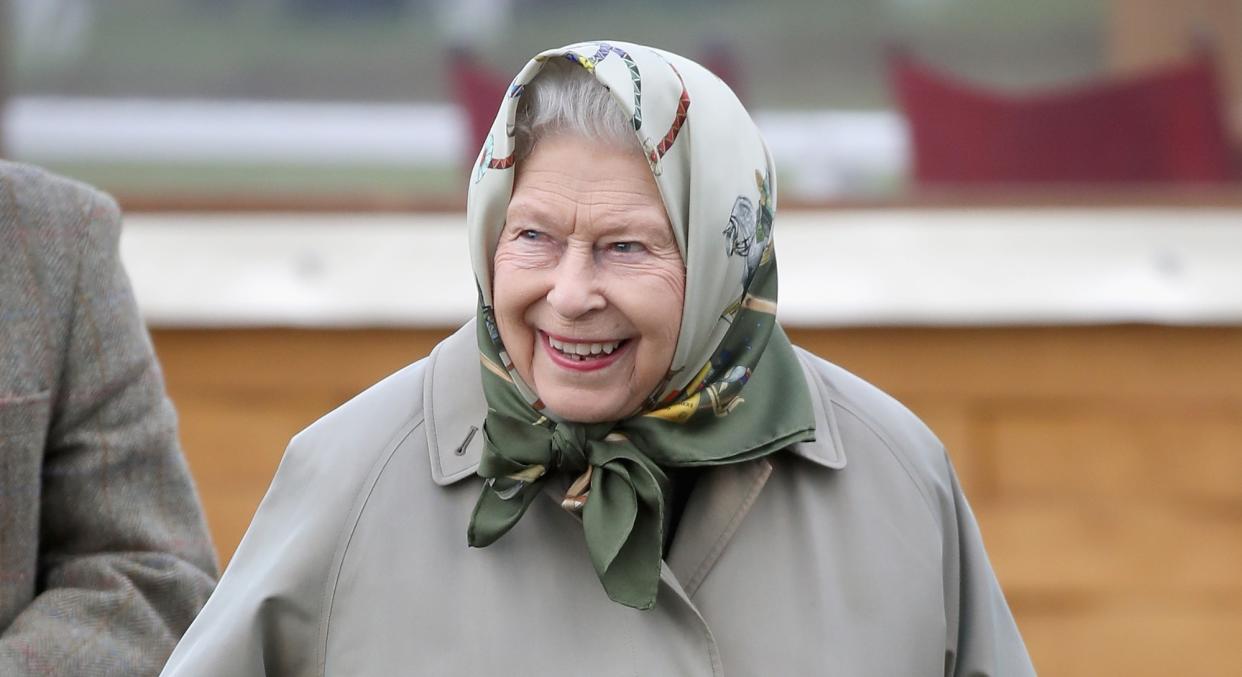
(104, 554)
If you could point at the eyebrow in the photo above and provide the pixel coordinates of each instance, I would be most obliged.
(530, 210)
(625, 224)
(649, 223)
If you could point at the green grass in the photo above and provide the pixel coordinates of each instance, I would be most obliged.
(797, 53)
(267, 179)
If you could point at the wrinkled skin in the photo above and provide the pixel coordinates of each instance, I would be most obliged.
(588, 254)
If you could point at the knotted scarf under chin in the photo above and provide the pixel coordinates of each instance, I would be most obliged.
(622, 488)
(624, 519)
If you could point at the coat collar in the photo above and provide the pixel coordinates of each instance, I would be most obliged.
(454, 409)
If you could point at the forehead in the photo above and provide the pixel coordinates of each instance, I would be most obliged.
(568, 178)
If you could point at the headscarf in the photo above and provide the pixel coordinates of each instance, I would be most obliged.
(735, 390)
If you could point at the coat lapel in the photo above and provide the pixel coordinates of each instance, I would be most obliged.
(715, 510)
(724, 495)
(454, 407)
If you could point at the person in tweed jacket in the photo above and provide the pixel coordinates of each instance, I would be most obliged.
(104, 553)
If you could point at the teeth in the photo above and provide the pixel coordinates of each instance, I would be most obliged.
(579, 351)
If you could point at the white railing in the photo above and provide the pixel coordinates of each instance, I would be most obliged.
(821, 153)
(838, 268)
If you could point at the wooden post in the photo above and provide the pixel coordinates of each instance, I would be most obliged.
(1148, 33)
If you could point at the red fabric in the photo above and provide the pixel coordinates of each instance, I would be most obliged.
(1164, 126)
(478, 91)
(721, 59)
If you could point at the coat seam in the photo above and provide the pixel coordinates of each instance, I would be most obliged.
(900, 458)
(819, 392)
(360, 502)
(429, 417)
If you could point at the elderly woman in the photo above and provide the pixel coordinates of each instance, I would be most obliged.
(643, 477)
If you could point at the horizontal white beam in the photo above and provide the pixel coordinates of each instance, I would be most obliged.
(64, 129)
(838, 268)
(822, 153)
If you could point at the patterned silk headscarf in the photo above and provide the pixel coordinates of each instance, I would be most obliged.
(735, 390)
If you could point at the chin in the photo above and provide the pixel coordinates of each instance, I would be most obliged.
(584, 409)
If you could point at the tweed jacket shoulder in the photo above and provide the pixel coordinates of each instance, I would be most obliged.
(104, 554)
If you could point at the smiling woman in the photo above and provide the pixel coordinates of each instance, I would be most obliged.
(653, 479)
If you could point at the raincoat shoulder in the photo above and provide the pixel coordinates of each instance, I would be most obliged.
(269, 614)
(882, 425)
(981, 637)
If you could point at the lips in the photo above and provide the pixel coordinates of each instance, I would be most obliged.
(583, 354)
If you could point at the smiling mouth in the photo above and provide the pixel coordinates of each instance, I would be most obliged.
(584, 350)
(583, 354)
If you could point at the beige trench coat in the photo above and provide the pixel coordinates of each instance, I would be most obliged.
(796, 564)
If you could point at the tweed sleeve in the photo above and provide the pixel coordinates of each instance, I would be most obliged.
(124, 559)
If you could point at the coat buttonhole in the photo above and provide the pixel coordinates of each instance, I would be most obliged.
(461, 450)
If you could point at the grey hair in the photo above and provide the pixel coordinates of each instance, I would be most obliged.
(565, 98)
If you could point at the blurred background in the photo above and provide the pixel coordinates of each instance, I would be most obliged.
(1023, 219)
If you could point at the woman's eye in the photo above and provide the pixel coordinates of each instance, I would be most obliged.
(529, 234)
(625, 247)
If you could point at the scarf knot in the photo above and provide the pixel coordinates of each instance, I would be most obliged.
(570, 448)
(624, 519)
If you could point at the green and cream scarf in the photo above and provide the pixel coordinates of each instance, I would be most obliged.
(735, 390)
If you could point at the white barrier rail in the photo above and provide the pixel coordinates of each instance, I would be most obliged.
(822, 153)
(838, 268)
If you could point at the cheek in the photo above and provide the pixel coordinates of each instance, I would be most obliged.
(516, 275)
(655, 307)
(515, 288)
(672, 301)
(654, 301)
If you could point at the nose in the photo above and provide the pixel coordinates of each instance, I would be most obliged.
(575, 288)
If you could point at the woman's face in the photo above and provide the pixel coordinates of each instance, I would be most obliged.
(588, 282)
